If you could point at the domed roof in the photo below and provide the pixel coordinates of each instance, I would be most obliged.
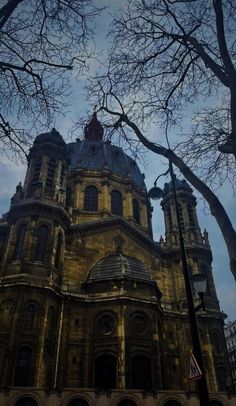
(94, 154)
(119, 266)
(97, 155)
(53, 137)
(179, 184)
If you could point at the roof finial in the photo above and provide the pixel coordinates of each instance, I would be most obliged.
(93, 130)
(119, 241)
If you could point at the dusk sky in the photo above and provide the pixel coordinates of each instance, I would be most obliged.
(11, 175)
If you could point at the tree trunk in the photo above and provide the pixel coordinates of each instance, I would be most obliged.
(7, 10)
(217, 210)
(233, 116)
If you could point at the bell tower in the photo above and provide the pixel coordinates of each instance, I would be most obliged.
(197, 245)
(187, 212)
(46, 174)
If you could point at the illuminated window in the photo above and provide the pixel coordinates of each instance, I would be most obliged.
(116, 203)
(91, 198)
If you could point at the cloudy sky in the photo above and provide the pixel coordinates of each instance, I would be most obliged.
(11, 175)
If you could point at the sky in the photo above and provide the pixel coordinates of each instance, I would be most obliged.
(11, 174)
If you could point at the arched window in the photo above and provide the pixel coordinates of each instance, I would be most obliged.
(91, 198)
(19, 244)
(172, 402)
(23, 375)
(190, 215)
(105, 372)
(51, 320)
(78, 402)
(222, 376)
(216, 342)
(141, 372)
(127, 402)
(181, 217)
(29, 317)
(51, 172)
(62, 175)
(42, 243)
(169, 218)
(116, 203)
(6, 312)
(68, 196)
(37, 169)
(26, 401)
(136, 211)
(58, 251)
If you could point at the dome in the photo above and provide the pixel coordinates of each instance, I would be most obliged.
(119, 266)
(179, 184)
(53, 137)
(97, 155)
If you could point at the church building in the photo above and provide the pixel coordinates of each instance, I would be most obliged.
(93, 311)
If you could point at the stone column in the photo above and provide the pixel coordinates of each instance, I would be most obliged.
(106, 203)
(128, 209)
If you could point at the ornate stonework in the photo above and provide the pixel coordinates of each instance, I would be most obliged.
(92, 309)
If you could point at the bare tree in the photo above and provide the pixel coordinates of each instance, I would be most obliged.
(176, 61)
(40, 41)
(171, 59)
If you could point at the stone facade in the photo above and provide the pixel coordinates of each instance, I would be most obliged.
(230, 337)
(93, 311)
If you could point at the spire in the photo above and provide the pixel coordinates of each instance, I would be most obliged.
(93, 130)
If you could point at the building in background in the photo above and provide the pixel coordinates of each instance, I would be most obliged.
(230, 336)
(92, 310)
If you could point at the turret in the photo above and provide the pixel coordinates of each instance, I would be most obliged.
(37, 219)
(47, 164)
(187, 212)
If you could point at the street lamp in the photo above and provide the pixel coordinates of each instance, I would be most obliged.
(197, 280)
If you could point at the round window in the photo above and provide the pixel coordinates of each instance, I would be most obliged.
(106, 324)
(139, 324)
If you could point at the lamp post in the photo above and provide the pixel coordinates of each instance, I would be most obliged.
(198, 279)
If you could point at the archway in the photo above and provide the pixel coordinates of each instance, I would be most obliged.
(78, 402)
(126, 402)
(172, 402)
(26, 401)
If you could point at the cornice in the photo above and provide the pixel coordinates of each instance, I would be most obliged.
(199, 250)
(94, 227)
(39, 207)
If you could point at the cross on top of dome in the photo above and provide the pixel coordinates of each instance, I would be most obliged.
(93, 130)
